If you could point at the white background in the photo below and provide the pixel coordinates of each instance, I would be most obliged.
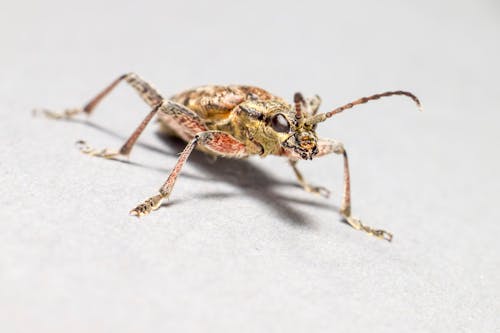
(240, 247)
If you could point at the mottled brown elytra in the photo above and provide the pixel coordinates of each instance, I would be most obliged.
(236, 122)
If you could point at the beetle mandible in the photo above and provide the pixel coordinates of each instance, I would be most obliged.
(235, 122)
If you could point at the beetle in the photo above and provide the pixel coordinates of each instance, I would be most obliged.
(235, 122)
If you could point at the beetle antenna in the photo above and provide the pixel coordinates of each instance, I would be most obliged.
(323, 116)
(299, 101)
(373, 97)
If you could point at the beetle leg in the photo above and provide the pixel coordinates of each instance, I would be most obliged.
(127, 146)
(324, 192)
(331, 146)
(147, 92)
(218, 142)
(189, 124)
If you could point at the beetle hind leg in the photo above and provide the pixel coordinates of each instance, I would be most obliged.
(66, 114)
(145, 90)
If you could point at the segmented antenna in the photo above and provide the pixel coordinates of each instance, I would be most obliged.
(373, 97)
(298, 99)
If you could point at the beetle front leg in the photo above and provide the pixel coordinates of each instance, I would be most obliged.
(217, 142)
(331, 146)
(320, 190)
(154, 202)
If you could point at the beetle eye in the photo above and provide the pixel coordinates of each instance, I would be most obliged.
(280, 124)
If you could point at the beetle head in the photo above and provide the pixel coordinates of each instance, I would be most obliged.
(295, 127)
(302, 141)
(277, 125)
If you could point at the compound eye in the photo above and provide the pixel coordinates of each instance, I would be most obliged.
(280, 124)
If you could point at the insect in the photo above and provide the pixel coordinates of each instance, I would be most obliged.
(236, 122)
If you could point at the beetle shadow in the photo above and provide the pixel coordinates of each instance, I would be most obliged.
(122, 138)
(252, 181)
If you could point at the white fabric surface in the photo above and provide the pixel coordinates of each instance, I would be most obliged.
(240, 247)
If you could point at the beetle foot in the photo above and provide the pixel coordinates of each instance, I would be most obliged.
(379, 233)
(66, 114)
(147, 206)
(319, 190)
(88, 150)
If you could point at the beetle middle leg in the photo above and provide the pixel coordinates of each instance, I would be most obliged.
(126, 147)
(189, 123)
(220, 143)
(331, 146)
(324, 192)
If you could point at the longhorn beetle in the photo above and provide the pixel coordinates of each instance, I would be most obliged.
(235, 122)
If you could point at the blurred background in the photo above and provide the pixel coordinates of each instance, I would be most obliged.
(241, 247)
